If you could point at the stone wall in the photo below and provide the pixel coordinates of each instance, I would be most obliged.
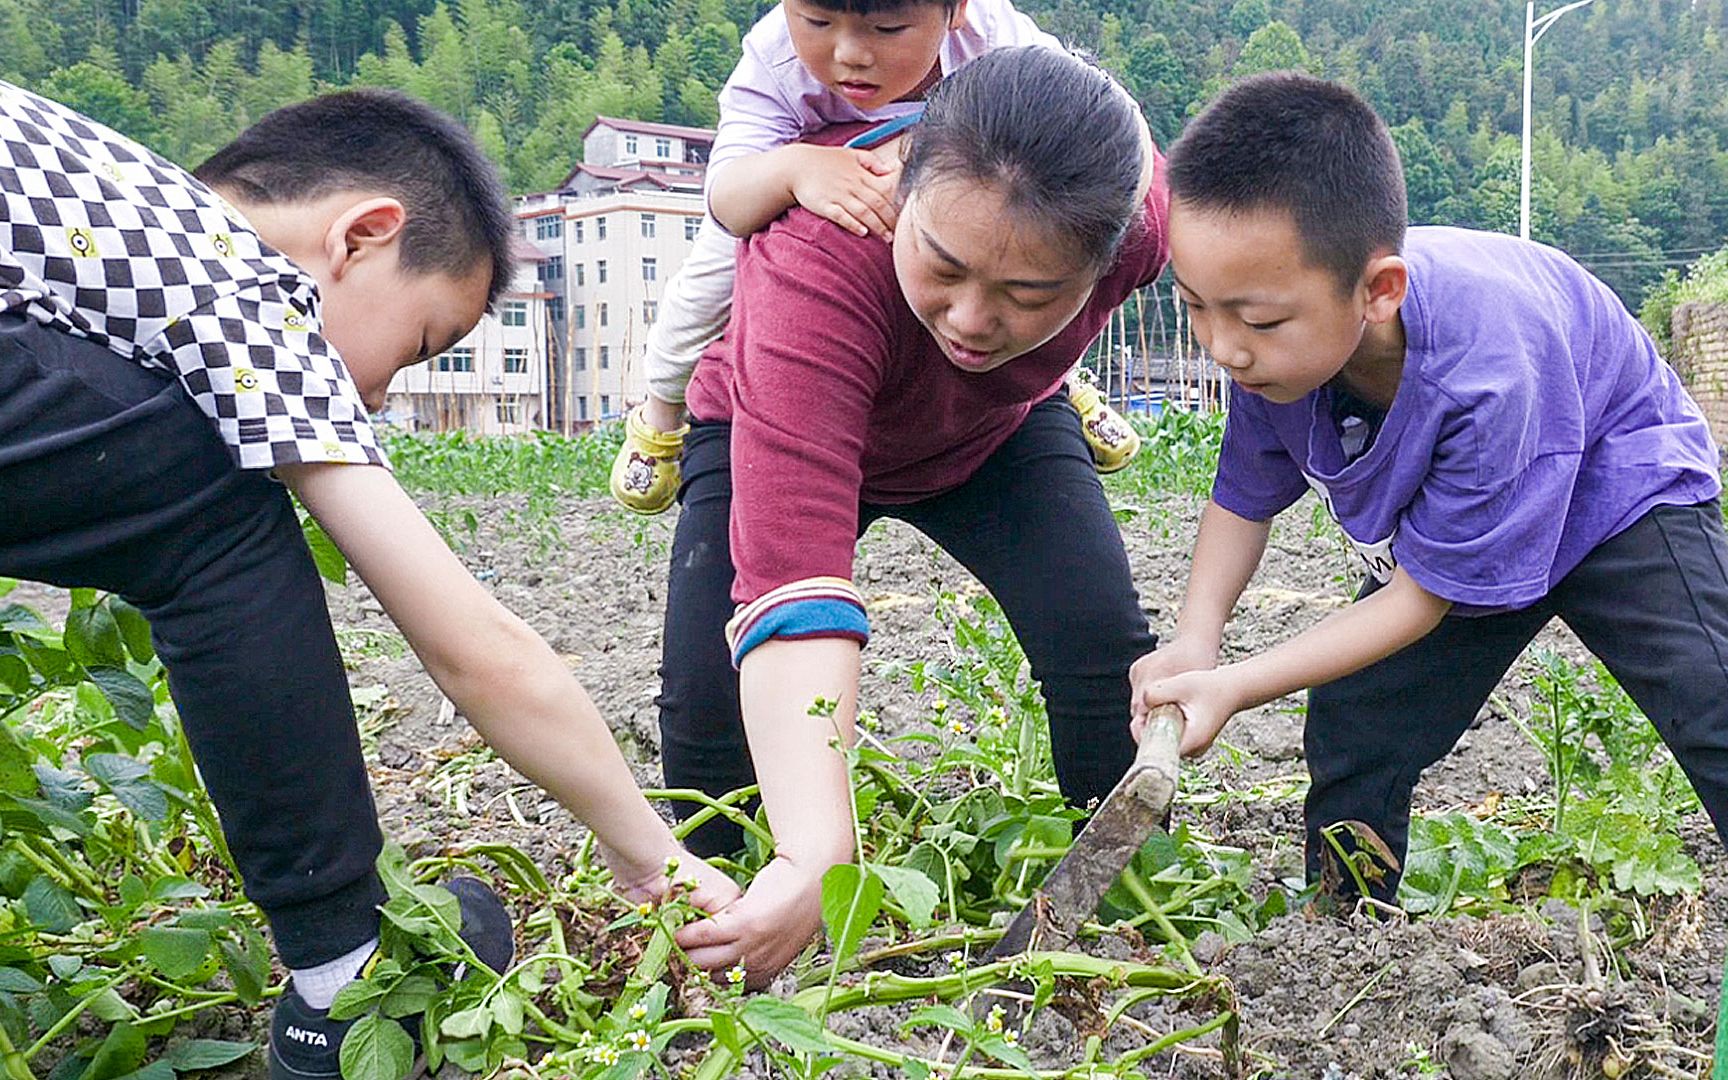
(1700, 355)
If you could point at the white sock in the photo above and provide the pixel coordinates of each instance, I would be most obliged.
(317, 986)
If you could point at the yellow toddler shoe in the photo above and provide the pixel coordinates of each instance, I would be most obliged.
(645, 473)
(1112, 440)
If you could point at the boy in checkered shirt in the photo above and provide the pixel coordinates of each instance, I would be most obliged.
(170, 346)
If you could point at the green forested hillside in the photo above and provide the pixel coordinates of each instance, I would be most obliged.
(1631, 95)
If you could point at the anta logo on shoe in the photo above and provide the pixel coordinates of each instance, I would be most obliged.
(310, 1038)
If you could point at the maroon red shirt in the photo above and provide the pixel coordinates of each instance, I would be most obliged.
(837, 393)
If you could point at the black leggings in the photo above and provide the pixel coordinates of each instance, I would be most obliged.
(1651, 603)
(111, 478)
(1032, 525)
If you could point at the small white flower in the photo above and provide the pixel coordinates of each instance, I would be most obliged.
(994, 1022)
(639, 1040)
(958, 726)
(1011, 1037)
(957, 961)
(638, 1011)
(735, 974)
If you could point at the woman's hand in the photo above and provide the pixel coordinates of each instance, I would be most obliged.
(765, 930)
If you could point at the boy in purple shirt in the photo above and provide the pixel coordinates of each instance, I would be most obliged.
(1492, 430)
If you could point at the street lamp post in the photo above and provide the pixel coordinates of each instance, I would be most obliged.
(1534, 28)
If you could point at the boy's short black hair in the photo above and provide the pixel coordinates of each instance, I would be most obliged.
(385, 141)
(1313, 149)
(878, 7)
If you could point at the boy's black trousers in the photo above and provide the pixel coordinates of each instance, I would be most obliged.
(1032, 524)
(112, 478)
(1651, 603)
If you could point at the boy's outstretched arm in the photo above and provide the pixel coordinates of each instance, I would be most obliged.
(1346, 641)
(852, 188)
(498, 672)
(1226, 554)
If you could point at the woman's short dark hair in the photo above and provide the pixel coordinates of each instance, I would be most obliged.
(384, 141)
(1310, 148)
(1048, 131)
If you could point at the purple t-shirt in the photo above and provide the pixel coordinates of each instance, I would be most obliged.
(1533, 421)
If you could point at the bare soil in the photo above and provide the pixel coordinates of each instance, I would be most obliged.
(1469, 998)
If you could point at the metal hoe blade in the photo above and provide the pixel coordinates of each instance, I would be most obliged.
(1135, 807)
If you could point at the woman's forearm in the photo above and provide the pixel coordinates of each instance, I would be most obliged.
(795, 743)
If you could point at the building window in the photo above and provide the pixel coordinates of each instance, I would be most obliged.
(556, 310)
(662, 148)
(599, 229)
(599, 271)
(630, 144)
(515, 361)
(576, 228)
(514, 313)
(691, 225)
(509, 412)
(582, 407)
(581, 358)
(603, 313)
(650, 269)
(455, 360)
(552, 269)
(581, 274)
(549, 227)
(650, 312)
(605, 405)
(605, 357)
(648, 226)
(581, 311)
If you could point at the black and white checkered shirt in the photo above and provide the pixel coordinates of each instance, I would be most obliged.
(105, 240)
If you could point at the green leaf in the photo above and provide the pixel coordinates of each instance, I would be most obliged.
(851, 897)
(786, 1023)
(248, 964)
(134, 630)
(205, 1053)
(942, 1016)
(156, 1070)
(52, 908)
(176, 951)
(54, 817)
(913, 1069)
(179, 888)
(376, 1048)
(726, 1031)
(1004, 1051)
(357, 997)
(325, 554)
(507, 1007)
(131, 699)
(107, 1004)
(913, 890)
(468, 1024)
(64, 967)
(1454, 855)
(16, 775)
(13, 981)
(410, 996)
(93, 638)
(130, 782)
(120, 1053)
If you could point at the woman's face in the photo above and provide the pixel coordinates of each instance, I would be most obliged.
(987, 288)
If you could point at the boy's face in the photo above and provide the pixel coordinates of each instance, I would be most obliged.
(381, 318)
(1278, 325)
(871, 60)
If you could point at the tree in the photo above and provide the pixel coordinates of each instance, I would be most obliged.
(1274, 47)
(1427, 180)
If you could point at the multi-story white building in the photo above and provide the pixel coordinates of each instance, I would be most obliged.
(611, 235)
(564, 349)
(493, 381)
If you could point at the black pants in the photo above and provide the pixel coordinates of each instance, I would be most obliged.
(1651, 603)
(110, 477)
(1032, 525)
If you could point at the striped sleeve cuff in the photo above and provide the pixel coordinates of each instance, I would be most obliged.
(812, 608)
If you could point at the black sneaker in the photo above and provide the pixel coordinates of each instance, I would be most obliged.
(305, 1043)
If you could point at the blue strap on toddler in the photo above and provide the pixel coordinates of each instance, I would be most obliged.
(884, 131)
